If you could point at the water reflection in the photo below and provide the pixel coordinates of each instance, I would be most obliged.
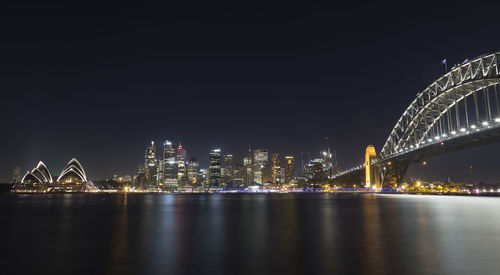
(375, 256)
(120, 251)
(250, 234)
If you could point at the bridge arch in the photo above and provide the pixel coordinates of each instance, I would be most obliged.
(445, 108)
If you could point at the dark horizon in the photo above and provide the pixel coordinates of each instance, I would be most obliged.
(99, 84)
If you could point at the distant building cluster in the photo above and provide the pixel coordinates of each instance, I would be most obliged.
(167, 168)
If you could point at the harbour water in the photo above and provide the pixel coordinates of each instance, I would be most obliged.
(249, 234)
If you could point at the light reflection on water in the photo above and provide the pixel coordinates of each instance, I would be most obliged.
(249, 234)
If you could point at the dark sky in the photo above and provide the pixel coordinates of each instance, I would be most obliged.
(99, 82)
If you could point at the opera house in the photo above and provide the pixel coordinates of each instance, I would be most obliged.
(71, 179)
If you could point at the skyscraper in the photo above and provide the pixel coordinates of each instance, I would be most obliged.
(16, 174)
(170, 181)
(227, 170)
(159, 173)
(214, 169)
(150, 166)
(260, 164)
(247, 163)
(181, 165)
(276, 168)
(328, 163)
(289, 169)
(238, 176)
(193, 171)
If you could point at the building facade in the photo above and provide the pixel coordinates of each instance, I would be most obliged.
(170, 177)
(214, 169)
(289, 169)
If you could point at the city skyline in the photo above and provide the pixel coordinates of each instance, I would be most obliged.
(312, 137)
(281, 80)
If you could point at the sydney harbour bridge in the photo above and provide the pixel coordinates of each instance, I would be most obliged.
(457, 111)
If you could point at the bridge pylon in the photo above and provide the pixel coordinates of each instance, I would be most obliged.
(372, 180)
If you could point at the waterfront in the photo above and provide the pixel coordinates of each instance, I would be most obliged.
(249, 234)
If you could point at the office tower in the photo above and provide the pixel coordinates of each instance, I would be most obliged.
(282, 175)
(260, 165)
(308, 171)
(214, 169)
(203, 178)
(317, 170)
(181, 165)
(328, 163)
(276, 168)
(239, 174)
(170, 181)
(150, 166)
(289, 169)
(193, 171)
(140, 178)
(159, 173)
(267, 175)
(227, 170)
(247, 163)
(16, 174)
(181, 153)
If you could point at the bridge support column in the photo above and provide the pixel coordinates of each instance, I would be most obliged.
(371, 175)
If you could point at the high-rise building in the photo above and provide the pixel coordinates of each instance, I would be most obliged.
(247, 163)
(159, 173)
(214, 169)
(227, 170)
(150, 166)
(328, 163)
(181, 165)
(276, 168)
(267, 175)
(239, 174)
(289, 169)
(140, 178)
(193, 171)
(318, 173)
(170, 180)
(260, 164)
(16, 174)
(203, 178)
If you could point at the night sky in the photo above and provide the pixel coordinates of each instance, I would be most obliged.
(99, 82)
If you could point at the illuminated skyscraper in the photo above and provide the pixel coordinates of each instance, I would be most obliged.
(318, 173)
(193, 171)
(214, 169)
(328, 163)
(170, 181)
(289, 169)
(203, 178)
(247, 163)
(159, 173)
(181, 165)
(238, 176)
(16, 174)
(150, 166)
(276, 168)
(260, 164)
(227, 170)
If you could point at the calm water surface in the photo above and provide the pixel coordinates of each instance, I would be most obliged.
(249, 234)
